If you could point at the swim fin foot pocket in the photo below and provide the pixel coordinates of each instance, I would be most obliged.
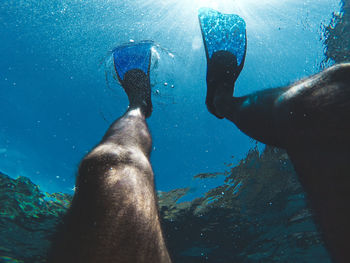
(138, 88)
(221, 77)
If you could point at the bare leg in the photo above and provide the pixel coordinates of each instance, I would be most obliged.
(310, 119)
(311, 112)
(114, 216)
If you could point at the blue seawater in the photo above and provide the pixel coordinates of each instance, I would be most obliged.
(55, 104)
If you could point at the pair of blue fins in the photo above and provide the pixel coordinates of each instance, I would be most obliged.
(221, 32)
(223, 35)
(311, 119)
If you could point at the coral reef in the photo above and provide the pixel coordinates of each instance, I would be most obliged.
(337, 35)
(27, 219)
(259, 214)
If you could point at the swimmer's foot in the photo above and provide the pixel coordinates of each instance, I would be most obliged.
(138, 88)
(222, 73)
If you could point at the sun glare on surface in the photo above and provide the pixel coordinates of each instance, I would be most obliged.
(248, 9)
(236, 4)
(207, 3)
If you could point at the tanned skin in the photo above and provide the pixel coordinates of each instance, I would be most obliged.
(113, 216)
(311, 120)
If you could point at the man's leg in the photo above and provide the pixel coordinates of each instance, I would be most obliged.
(314, 110)
(114, 216)
(310, 119)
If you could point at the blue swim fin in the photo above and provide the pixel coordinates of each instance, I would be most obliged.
(132, 56)
(132, 64)
(225, 43)
(225, 32)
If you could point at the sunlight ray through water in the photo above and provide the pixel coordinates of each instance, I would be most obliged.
(53, 51)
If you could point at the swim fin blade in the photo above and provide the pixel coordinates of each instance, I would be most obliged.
(223, 32)
(132, 56)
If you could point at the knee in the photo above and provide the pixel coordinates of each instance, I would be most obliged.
(339, 73)
(97, 163)
(106, 159)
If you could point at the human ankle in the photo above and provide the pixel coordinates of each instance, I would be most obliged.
(221, 103)
(139, 110)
